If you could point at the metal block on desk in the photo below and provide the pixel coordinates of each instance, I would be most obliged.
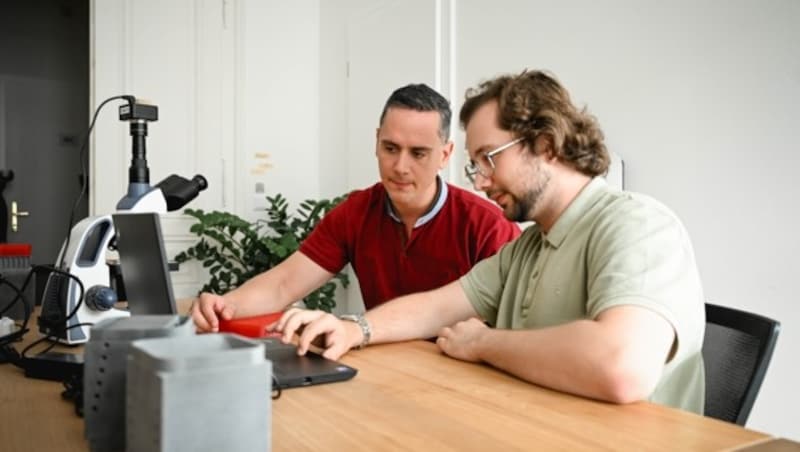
(104, 382)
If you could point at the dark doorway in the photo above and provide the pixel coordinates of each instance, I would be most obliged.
(44, 113)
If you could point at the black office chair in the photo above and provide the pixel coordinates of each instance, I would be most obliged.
(737, 348)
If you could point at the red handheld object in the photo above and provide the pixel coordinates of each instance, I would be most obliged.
(249, 326)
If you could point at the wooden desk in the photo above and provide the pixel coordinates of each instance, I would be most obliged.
(407, 396)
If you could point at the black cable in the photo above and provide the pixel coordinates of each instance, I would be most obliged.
(84, 162)
(59, 325)
(73, 392)
(52, 338)
(276, 388)
(7, 352)
(5, 341)
(81, 288)
(20, 295)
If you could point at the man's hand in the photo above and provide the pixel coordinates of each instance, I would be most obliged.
(207, 310)
(462, 339)
(339, 336)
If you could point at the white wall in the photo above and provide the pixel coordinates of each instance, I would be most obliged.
(180, 59)
(701, 100)
(278, 102)
(368, 49)
(333, 95)
(236, 104)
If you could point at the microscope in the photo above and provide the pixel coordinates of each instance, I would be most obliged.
(65, 315)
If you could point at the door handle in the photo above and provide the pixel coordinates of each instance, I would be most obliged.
(16, 213)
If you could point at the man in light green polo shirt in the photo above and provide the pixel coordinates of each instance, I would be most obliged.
(600, 298)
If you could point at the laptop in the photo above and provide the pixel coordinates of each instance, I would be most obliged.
(143, 264)
(292, 371)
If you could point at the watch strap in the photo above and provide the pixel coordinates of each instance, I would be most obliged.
(362, 323)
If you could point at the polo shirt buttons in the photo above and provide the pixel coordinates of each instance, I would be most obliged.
(525, 306)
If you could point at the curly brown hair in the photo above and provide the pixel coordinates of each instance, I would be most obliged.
(533, 103)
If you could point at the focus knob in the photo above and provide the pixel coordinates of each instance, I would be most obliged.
(100, 298)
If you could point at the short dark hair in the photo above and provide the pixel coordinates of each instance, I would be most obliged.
(421, 97)
(533, 103)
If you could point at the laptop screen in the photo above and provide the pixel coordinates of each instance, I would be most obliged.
(143, 264)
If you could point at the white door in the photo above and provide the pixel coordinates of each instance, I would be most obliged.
(389, 44)
(177, 55)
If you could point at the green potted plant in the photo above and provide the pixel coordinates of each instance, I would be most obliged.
(234, 250)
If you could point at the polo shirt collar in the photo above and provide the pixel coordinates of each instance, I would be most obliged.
(440, 198)
(587, 197)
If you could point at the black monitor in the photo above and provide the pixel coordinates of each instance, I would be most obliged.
(143, 264)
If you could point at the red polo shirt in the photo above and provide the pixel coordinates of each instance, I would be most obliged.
(459, 230)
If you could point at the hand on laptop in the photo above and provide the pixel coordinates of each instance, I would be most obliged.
(207, 310)
(339, 336)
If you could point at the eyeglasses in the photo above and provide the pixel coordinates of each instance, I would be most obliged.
(485, 165)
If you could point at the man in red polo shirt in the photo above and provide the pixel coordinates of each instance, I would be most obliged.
(408, 233)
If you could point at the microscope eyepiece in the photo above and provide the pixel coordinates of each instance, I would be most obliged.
(201, 182)
(178, 191)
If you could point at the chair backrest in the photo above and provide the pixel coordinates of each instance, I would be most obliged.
(737, 349)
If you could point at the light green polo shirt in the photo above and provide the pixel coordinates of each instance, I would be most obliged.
(609, 248)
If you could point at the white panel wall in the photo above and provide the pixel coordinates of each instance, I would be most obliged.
(179, 59)
(383, 54)
(368, 49)
(278, 103)
(701, 101)
(333, 94)
(237, 86)
(160, 58)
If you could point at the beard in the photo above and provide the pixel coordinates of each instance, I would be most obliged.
(523, 207)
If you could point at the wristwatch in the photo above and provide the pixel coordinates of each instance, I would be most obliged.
(366, 331)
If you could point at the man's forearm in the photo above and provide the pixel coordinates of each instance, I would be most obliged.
(584, 357)
(420, 315)
(258, 295)
(277, 288)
